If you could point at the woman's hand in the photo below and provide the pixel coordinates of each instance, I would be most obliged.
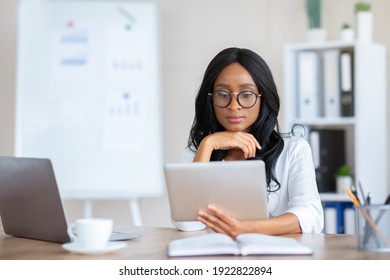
(244, 142)
(221, 222)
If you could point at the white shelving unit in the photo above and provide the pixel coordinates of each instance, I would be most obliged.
(366, 141)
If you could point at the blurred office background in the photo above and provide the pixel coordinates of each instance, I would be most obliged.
(192, 32)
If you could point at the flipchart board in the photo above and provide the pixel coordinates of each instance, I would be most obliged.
(88, 95)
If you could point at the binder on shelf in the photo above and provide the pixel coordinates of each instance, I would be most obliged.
(338, 218)
(308, 84)
(331, 83)
(328, 147)
(347, 83)
(330, 220)
(349, 220)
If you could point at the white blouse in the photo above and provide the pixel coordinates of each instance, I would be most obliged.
(298, 193)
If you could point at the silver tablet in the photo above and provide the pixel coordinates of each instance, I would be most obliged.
(237, 187)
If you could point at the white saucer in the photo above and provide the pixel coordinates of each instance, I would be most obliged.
(110, 247)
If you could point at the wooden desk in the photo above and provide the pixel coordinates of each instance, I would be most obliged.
(154, 241)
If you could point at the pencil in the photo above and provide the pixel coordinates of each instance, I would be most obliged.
(355, 201)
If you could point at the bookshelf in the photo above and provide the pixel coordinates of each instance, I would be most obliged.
(364, 123)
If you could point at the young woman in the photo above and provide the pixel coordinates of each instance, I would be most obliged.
(236, 113)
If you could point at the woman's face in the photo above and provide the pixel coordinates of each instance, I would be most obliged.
(234, 79)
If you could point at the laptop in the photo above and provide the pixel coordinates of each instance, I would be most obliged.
(30, 202)
(237, 187)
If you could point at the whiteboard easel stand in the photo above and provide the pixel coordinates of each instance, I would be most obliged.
(135, 212)
(134, 208)
(88, 209)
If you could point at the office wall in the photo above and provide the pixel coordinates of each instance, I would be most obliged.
(192, 32)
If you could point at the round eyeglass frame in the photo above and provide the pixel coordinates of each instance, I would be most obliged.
(237, 98)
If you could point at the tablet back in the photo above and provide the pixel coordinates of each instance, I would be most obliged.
(237, 187)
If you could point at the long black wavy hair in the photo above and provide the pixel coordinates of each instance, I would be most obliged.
(266, 127)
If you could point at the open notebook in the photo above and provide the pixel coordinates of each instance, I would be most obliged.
(244, 244)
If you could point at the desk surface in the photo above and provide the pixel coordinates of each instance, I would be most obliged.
(154, 241)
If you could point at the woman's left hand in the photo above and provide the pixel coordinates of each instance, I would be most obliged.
(221, 222)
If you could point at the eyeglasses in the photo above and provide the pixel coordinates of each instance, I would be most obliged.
(246, 99)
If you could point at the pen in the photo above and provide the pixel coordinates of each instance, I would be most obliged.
(354, 192)
(387, 201)
(382, 212)
(361, 189)
(368, 199)
(368, 231)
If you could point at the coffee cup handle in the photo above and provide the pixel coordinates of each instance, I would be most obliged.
(71, 234)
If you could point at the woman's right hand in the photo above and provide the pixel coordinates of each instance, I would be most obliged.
(244, 142)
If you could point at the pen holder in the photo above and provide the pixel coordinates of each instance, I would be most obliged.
(373, 228)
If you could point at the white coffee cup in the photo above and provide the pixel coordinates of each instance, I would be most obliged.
(92, 233)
